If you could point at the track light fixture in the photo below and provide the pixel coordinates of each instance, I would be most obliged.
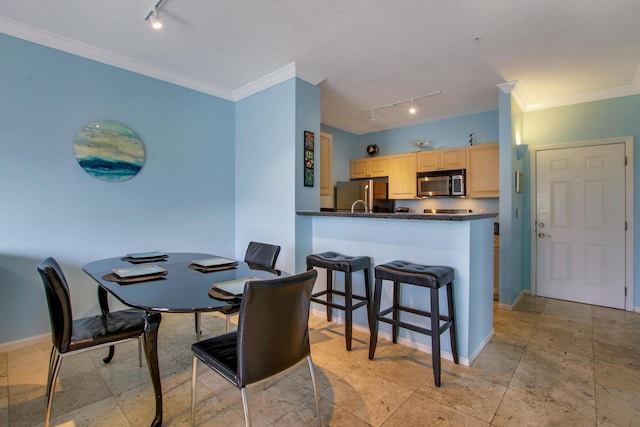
(412, 108)
(152, 16)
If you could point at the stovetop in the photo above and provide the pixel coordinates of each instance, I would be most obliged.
(447, 211)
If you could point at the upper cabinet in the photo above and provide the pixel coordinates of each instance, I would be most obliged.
(483, 171)
(370, 167)
(402, 176)
(438, 160)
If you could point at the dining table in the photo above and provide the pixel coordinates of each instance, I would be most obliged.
(171, 282)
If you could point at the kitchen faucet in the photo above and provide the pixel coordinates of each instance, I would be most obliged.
(366, 209)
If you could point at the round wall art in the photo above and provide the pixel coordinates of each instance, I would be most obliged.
(109, 150)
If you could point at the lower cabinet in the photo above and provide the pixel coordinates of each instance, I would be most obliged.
(402, 176)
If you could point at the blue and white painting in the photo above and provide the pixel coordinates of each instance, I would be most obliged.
(109, 150)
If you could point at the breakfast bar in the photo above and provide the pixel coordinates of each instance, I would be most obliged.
(461, 241)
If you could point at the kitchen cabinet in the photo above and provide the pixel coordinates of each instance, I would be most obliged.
(326, 176)
(437, 160)
(402, 176)
(371, 167)
(483, 171)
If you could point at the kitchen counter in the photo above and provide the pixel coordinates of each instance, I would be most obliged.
(461, 241)
(391, 215)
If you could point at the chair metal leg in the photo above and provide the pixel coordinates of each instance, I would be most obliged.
(315, 389)
(140, 351)
(52, 357)
(228, 322)
(194, 381)
(245, 407)
(51, 387)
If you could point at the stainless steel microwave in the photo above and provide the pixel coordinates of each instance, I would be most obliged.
(441, 183)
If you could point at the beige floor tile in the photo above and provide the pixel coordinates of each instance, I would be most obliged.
(520, 408)
(531, 304)
(561, 341)
(105, 413)
(404, 366)
(492, 367)
(568, 310)
(465, 393)
(616, 353)
(422, 411)
(548, 371)
(616, 407)
(369, 397)
(619, 377)
(4, 417)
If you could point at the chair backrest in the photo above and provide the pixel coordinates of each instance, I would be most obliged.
(262, 254)
(273, 327)
(59, 301)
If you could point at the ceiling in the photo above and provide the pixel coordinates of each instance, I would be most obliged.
(363, 53)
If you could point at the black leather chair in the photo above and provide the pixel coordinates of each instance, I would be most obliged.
(71, 336)
(272, 336)
(260, 256)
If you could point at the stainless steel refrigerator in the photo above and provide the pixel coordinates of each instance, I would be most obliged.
(372, 193)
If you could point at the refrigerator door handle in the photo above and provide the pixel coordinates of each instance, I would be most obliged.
(366, 196)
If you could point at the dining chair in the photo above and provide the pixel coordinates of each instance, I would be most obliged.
(72, 336)
(258, 256)
(272, 336)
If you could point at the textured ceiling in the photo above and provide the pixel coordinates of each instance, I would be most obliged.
(367, 53)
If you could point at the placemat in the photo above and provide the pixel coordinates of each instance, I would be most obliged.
(143, 260)
(111, 277)
(222, 295)
(202, 269)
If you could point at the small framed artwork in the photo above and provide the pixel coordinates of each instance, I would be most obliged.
(309, 143)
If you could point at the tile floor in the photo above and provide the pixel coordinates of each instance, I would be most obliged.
(549, 363)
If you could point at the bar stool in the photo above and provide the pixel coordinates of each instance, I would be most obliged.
(333, 261)
(432, 277)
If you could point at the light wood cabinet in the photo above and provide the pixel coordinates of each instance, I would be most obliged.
(371, 167)
(483, 171)
(437, 160)
(402, 176)
(326, 178)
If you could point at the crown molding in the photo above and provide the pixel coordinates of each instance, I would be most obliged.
(515, 89)
(74, 47)
(633, 89)
(276, 77)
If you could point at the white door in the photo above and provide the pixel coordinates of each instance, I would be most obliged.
(580, 224)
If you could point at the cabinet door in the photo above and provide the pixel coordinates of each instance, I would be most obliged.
(483, 171)
(402, 176)
(428, 161)
(379, 166)
(453, 158)
(359, 168)
(326, 179)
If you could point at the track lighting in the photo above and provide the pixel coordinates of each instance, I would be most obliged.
(412, 108)
(156, 24)
(152, 16)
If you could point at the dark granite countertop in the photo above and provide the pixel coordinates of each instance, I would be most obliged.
(418, 216)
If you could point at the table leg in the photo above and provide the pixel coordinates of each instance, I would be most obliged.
(151, 325)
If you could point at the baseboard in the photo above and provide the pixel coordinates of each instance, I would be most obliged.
(504, 306)
(14, 345)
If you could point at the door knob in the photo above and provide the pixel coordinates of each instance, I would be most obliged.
(542, 235)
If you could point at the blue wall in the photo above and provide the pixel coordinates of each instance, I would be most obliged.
(182, 199)
(453, 132)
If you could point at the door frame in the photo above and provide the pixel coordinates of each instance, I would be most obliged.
(629, 235)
